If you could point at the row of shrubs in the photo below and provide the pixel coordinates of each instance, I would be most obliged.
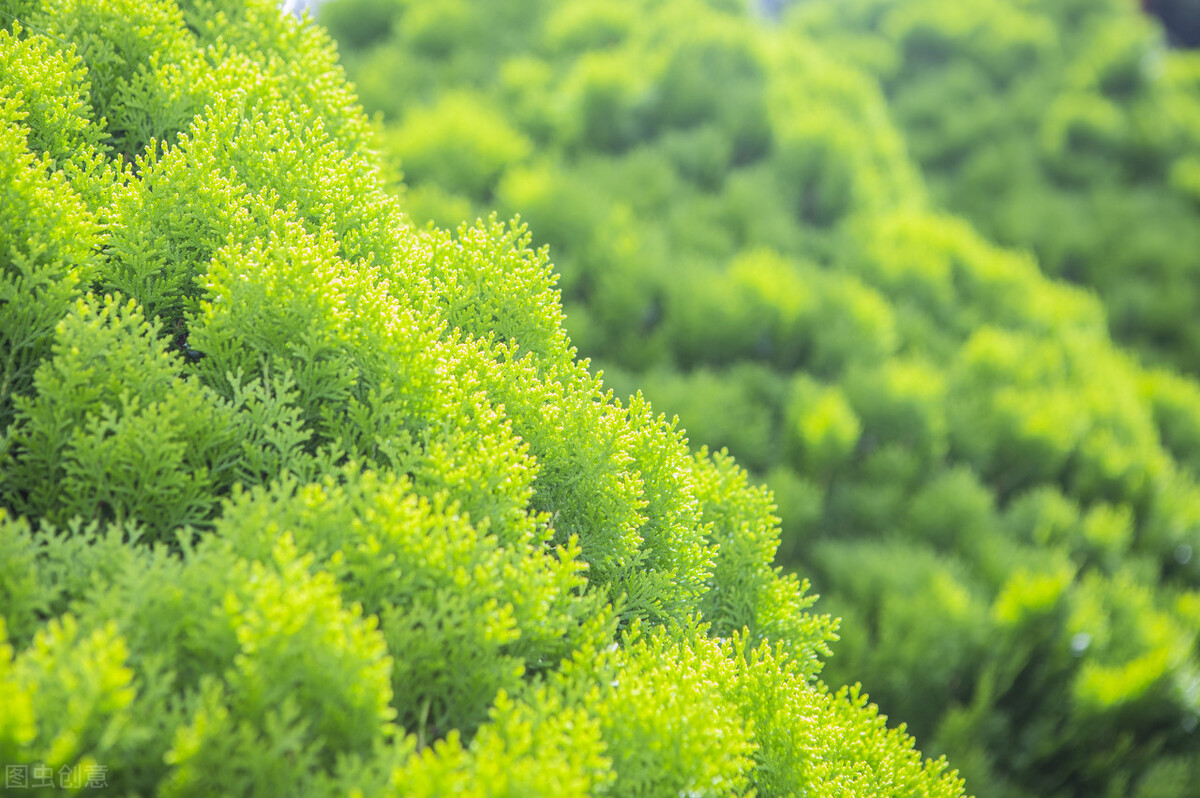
(997, 496)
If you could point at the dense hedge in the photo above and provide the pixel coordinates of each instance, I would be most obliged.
(298, 499)
(1000, 501)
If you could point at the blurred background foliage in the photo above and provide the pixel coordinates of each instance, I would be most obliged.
(1069, 129)
(930, 270)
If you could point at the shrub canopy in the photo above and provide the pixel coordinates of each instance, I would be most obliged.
(300, 499)
(754, 226)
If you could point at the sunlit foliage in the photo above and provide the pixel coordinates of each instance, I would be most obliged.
(998, 497)
(299, 499)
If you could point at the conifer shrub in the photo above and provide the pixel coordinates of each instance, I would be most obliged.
(969, 467)
(298, 498)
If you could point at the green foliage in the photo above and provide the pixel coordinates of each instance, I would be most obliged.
(531, 746)
(113, 432)
(48, 236)
(69, 695)
(823, 430)
(139, 62)
(1089, 124)
(966, 462)
(460, 144)
(691, 741)
(26, 598)
(245, 672)
(54, 97)
(297, 497)
(471, 615)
